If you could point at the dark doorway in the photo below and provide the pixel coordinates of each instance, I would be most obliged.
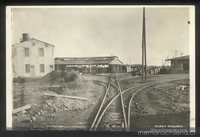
(185, 65)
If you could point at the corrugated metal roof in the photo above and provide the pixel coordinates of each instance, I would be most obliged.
(87, 61)
(81, 58)
(180, 58)
(83, 62)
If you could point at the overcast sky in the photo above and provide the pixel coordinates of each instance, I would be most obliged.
(86, 32)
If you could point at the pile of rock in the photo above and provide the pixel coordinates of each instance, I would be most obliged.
(50, 107)
(29, 115)
(71, 76)
(22, 117)
(115, 124)
(53, 76)
(62, 104)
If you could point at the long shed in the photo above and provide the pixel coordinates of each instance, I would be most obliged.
(104, 64)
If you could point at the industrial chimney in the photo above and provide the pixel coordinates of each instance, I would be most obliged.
(25, 37)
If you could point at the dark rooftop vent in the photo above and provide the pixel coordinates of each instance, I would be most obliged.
(25, 37)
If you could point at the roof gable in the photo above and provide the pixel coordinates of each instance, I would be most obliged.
(180, 58)
(116, 61)
(32, 40)
(42, 41)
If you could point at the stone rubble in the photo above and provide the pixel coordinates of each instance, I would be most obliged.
(176, 96)
(50, 107)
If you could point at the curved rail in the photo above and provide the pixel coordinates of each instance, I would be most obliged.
(98, 112)
(129, 105)
(122, 102)
(106, 83)
(111, 101)
(100, 83)
(99, 115)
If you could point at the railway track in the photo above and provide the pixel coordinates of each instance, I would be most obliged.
(114, 113)
(107, 87)
(129, 99)
(111, 91)
(132, 95)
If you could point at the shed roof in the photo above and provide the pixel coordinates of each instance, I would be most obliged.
(187, 57)
(82, 58)
(87, 60)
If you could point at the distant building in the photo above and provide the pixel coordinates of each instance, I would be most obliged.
(150, 69)
(104, 64)
(179, 64)
(32, 57)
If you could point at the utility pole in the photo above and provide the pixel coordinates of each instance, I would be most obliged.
(144, 59)
(145, 46)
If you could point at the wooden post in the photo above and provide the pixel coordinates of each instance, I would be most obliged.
(144, 62)
(145, 53)
(143, 47)
(21, 109)
(65, 96)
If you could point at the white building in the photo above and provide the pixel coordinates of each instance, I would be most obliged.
(32, 57)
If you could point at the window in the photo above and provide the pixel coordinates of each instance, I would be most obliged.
(41, 52)
(27, 68)
(33, 44)
(26, 52)
(51, 66)
(41, 67)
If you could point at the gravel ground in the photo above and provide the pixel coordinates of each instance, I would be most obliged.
(56, 112)
(164, 103)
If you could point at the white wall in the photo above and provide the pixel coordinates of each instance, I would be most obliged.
(20, 60)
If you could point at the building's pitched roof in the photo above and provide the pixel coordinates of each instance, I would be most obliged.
(81, 58)
(42, 41)
(83, 62)
(87, 60)
(35, 39)
(187, 57)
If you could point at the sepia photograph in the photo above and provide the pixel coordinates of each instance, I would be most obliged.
(101, 68)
